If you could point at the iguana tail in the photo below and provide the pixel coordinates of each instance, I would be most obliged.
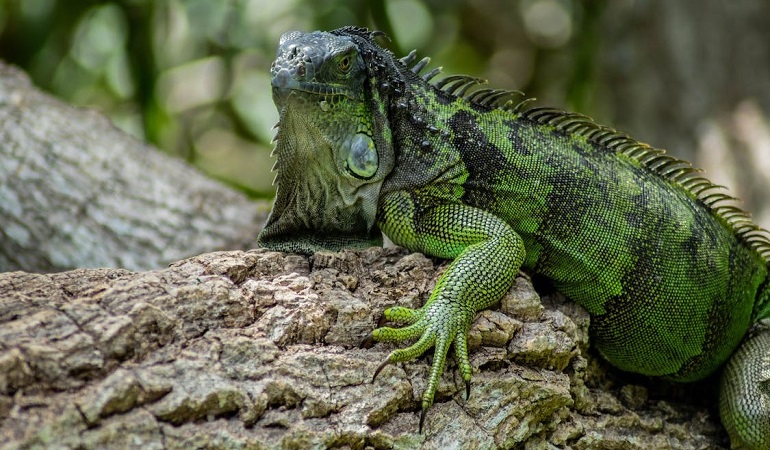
(744, 392)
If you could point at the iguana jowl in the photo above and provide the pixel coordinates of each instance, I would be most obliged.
(673, 276)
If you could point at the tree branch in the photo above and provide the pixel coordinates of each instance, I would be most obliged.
(77, 192)
(238, 349)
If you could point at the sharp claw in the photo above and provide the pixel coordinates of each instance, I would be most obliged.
(379, 369)
(381, 323)
(467, 390)
(422, 419)
(367, 342)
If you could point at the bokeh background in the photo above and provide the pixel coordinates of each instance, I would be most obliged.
(191, 76)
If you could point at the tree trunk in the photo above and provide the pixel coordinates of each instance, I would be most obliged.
(77, 192)
(260, 350)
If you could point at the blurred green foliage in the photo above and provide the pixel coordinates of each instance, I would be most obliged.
(191, 76)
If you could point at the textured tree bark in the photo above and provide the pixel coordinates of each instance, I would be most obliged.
(77, 192)
(260, 350)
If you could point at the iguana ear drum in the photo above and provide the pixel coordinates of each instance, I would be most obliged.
(362, 160)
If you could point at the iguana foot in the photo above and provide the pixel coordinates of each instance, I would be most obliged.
(436, 324)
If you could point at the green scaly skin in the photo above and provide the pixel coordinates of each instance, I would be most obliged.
(674, 277)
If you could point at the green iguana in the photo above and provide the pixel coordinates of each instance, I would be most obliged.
(674, 277)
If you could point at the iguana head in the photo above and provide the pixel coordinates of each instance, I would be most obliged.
(333, 143)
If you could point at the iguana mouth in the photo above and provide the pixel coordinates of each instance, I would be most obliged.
(284, 83)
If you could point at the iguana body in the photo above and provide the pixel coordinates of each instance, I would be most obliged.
(672, 276)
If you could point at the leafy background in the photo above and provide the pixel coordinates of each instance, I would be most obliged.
(191, 76)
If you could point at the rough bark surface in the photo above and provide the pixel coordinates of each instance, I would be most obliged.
(261, 350)
(77, 192)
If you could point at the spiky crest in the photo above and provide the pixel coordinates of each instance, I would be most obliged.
(666, 166)
(653, 159)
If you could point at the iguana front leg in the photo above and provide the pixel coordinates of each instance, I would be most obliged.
(487, 255)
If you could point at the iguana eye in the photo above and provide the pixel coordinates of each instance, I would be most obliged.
(362, 161)
(345, 64)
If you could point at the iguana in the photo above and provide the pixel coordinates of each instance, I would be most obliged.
(674, 277)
